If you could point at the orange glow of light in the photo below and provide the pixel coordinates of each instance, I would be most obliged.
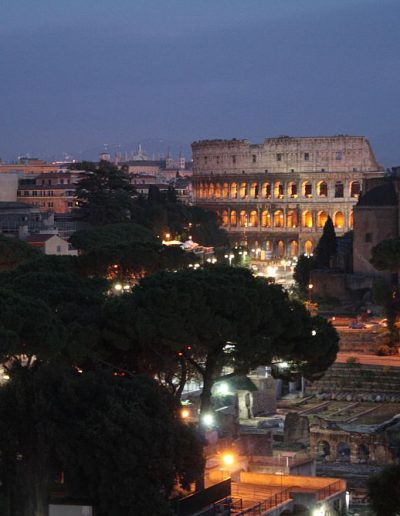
(185, 413)
(228, 459)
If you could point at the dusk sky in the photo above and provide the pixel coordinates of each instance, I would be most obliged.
(75, 74)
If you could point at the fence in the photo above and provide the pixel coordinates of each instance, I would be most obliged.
(269, 503)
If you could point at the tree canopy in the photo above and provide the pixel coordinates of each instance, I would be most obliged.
(105, 194)
(385, 256)
(384, 491)
(14, 252)
(192, 316)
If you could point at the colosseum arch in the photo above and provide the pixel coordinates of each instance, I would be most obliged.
(324, 449)
(234, 190)
(362, 453)
(322, 189)
(243, 190)
(308, 247)
(211, 190)
(307, 189)
(218, 191)
(321, 219)
(338, 220)
(225, 190)
(243, 218)
(280, 248)
(278, 219)
(355, 189)
(292, 189)
(254, 190)
(265, 219)
(200, 190)
(253, 220)
(294, 248)
(278, 190)
(233, 218)
(339, 189)
(343, 452)
(292, 219)
(307, 219)
(266, 190)
(351, 220)
(225, 218)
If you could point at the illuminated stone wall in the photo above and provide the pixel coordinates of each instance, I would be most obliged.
(276, 196)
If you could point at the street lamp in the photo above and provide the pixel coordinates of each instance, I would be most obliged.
(310, 287)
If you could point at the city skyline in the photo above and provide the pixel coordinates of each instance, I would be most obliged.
(76, 76)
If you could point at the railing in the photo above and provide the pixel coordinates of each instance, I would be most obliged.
(269, 503)
(329, 490)
(229, 503)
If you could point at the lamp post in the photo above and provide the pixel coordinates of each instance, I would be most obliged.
(310, 287)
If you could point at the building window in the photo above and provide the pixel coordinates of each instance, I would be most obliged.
(58, 249)
(279, 157)
(355, 189)
(323, 189)
(339, 155)
(70, 204)
(368, 237)
(254, 158)
(306, 156)
(26, 193)
(233, 159)
(50, 204)
(339, 189)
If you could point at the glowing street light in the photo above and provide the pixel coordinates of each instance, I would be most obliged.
(208, 419)
(228, 459)
(310, 287)
(118, 287)
(185, 413)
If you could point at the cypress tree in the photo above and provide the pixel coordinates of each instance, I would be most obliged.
(327, 245)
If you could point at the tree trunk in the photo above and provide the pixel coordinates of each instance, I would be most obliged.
(208, 378)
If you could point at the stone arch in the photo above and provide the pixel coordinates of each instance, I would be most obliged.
(280, 248)
(321, 219)
(292, 219)
(339, 189)
(225, 218)
(211, 190)
(278, 190)
(268, 245)
(233, 218)
(294, 248)
(323, 449)
(253, 219)
(292, 189)
(351, 220)
(266, 219)
(322, 189)
(254, 190)
(307, 189)
(234, 190)
(243, 218)
(308, 247)
(355, 189)
(200, 190)
(225, 190)
(343, 452)
(338, 220)
(362, 453)
(266, 190)
(307, 219)
(218, 191)
(278, 219)
(243, 190)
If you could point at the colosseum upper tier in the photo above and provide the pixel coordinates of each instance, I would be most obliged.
(275, 197)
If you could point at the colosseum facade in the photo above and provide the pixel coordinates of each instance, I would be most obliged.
(275, 196)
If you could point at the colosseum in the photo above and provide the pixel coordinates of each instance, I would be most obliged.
(275, 197)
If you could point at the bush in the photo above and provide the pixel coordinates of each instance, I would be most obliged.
(352, 361)
(384, 351)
